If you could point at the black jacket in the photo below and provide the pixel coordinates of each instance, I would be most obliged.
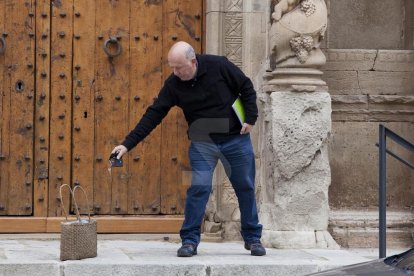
(206, 101)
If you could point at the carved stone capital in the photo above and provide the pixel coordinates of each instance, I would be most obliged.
(296, 33)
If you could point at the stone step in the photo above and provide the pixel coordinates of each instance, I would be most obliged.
(128, 256)
(351, 228)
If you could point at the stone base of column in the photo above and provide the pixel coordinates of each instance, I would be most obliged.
(298, 239)
(294, 207)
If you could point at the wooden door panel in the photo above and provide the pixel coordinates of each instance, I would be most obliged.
(4, 118)
(146, 80)
(60, 160)
(17, 105)
(182, 19)
(85, 102)
(111, 109)
(83, 99)
(42, 109)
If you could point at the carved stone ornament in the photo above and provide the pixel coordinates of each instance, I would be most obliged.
(296, 33)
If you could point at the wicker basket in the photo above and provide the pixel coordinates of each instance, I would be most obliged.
(78, 238)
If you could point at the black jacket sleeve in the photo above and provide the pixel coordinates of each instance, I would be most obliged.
(243, 86)
(152, 117)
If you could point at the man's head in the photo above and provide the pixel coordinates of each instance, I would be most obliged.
(182, 60)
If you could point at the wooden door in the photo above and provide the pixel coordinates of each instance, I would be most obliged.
(66, 102)
(17, 59)
(98, 96)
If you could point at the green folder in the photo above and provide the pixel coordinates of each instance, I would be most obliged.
(239, 110)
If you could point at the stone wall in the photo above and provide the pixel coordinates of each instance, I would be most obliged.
(367, 24)
(369, 87)
(370, 74)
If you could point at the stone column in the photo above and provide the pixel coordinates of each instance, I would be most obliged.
(294, 207)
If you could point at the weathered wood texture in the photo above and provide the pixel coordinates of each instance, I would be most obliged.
(107, 224)
(83, 99)
(60, 162)
(3, 122)
(42, 109)
(182, 19)
(4, 118)
(17, 105)
(112, 109)
(146, 80)
(86, 101)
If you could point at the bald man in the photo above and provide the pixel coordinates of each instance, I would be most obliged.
(205, 87)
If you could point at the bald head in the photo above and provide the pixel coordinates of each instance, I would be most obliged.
(181, 49)
(182, 60)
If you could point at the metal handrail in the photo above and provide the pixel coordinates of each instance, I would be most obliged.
(382, 145)
(402, 160)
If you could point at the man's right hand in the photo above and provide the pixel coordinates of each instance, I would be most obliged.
(121, 150)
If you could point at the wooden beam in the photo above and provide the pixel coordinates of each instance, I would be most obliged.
(106, 224)
(143, 225)
(22, 225)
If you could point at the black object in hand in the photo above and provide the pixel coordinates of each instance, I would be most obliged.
(115, 162)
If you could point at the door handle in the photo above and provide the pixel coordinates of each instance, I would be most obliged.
(118, 47)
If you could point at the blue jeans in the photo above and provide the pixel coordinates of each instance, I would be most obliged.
(237, 156)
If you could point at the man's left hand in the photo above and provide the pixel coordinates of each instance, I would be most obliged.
(246, 128)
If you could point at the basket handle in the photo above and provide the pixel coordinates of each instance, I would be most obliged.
(87, 202)
(72, 192)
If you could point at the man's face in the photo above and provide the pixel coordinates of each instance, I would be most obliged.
(183, 68)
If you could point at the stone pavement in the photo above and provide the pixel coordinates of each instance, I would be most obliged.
(38, 254)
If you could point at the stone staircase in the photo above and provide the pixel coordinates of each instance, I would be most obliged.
(359, 229)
